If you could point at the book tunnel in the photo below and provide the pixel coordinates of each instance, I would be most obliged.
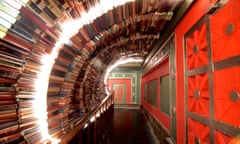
(119, 71)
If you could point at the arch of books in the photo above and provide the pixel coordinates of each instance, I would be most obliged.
(54, 56)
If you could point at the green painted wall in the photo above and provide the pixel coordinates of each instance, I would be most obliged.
(134, 75)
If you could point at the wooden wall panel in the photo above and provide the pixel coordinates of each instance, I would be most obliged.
(194, 14)
(160, 70)
(207, 78)
(121, 84)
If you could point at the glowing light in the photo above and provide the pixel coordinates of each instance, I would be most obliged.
(98, 114)
(85, 126)
(2, 34)
(40, 105)
(92, 119)
(13, 3)
(54, 141)
(7, 17)
(5, 23)
(120, 61)
(9, 10)
(70, 28)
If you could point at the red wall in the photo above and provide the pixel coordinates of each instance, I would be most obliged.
(160, 70)
(128, 84)
(195, 13)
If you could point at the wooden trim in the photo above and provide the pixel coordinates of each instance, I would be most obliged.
(216, 125)
(67, 138)
(197, 71)
(127, 106)
(168, 29)
(227, 63)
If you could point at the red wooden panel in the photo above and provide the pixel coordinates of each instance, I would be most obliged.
(198, 94)
(227, 95)
(128, 84)
(192, 16)
(160, 70)
(197, 132)
(225, 31)
(118, 92)
(221, 138)
(196, 48)
(235, 140)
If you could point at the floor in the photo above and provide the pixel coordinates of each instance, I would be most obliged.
(129, 126)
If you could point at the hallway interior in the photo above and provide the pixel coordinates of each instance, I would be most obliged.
(66, 64)
(129, 126)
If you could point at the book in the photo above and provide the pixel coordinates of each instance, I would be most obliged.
(64, 101)
(79, 7)
(34, 18)
(8, 127)
(11, 59)
(12, 52)
(25, 103)
(64, 60)
(8, 114)
(56, 132)
(34, 137)
(7, 102)
(22, 29)
(84, 34)
(7, 9)
(6, 120)
(58, 73)
(12, 138)
(62, 5)
(31, 129)
(45, 14)
(19, 42)
(27, 122)
(54, 7)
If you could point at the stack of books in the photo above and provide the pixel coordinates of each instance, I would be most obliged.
(11, 66)
(76, 80)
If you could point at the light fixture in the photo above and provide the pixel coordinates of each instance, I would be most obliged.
(85, 126)
(92, 119)
(49, 59)
(98, 114)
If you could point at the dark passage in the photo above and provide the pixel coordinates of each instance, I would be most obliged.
(129, 126)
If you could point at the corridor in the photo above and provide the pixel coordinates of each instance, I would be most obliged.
(129, 126)
(66, 64)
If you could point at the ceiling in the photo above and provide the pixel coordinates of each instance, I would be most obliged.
(85, 37)
(128, 30)
(131, 64)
